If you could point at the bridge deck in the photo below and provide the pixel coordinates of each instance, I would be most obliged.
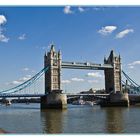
(40, 95)
(88, 94)
(68, 95)
(21, 95)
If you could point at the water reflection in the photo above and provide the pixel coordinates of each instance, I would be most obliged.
(114, 120)
(52, 120)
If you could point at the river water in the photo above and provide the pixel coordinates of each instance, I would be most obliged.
(77, 119)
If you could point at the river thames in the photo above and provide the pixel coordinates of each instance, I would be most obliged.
(77, 119)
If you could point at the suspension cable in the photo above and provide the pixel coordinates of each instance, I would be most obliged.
(26, 83)
(132, 81)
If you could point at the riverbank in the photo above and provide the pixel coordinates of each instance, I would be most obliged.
(2, 131)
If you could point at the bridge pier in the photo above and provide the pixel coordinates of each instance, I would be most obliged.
(54, 101)
(116, 99)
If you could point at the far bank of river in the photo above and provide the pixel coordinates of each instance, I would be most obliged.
(2, 131)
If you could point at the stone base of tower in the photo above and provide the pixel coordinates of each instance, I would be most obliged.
(54, 101)
(116, 99)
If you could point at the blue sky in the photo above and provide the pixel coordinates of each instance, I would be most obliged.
(82, 34)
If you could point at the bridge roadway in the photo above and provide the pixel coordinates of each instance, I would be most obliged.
(134, 98)
(86, 65)
(39, 95)
(20, 95)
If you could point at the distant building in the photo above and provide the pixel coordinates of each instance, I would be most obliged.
(93, 91)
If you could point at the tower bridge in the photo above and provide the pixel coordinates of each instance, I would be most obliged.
(53, 59)
(112, 71)
(53, 65)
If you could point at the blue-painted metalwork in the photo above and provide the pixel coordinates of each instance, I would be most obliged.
(130, 80)
(25, 84)
(20, 95)
(133, 87)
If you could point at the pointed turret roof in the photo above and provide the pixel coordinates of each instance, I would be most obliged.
(112, 54)
(59, 51)
(52, 47)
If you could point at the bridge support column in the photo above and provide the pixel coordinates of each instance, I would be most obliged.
(54, 101)
(116, 99)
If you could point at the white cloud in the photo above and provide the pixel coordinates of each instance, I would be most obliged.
(20, 81)
(2, 19)
(27, 77)
(93, 81)
(107, 30)
(15, 82)
(94, 74)
(26, 69)
(124, 33)
(66, 81)
(136, 63)
(3, 38)
(67, 10)
(77, 79)
(81, 9)
(131, 67)
(133, 64)
(22, 37)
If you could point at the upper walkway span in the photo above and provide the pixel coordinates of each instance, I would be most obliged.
(86, 65)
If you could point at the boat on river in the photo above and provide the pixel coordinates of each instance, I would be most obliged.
(91, 103)
(79, 102)
(8, 103)
(82, 102)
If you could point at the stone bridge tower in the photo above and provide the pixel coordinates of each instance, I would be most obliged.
(113, 84)
(113, 76)
(53, 98)
(53, 59)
